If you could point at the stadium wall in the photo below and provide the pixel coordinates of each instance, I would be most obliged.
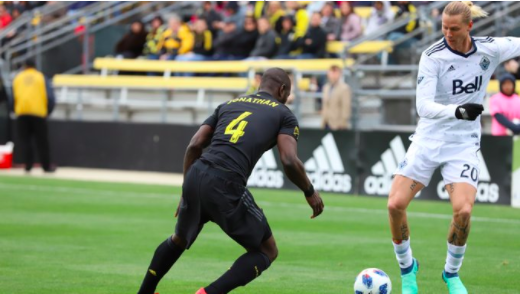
(350, 162)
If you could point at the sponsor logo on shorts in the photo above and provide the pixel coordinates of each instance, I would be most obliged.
(381, 179)
(266, 173)
(325, 168)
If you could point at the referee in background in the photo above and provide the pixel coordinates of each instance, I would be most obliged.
(33, 101)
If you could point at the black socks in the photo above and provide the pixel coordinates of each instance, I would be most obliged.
(245, 269)
(165, 256)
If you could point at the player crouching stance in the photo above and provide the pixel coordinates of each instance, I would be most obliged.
(214, 188)
(451, 85)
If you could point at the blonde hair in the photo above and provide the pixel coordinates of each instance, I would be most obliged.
(467, 9)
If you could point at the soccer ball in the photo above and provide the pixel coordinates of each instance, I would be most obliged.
(372, 281)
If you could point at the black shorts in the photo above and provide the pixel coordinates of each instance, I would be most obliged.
(212, 194)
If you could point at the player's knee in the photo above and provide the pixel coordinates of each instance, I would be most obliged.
(395, 205)
(463, 214)
(271, 253)
(179, 241)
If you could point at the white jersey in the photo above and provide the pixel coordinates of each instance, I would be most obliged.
(448, 78)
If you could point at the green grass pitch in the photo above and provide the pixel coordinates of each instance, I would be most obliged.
(60, 236)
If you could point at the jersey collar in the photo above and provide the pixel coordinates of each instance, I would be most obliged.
(265, 95)
(474, 45)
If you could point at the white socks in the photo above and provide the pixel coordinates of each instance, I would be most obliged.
(454, 258)
(403, 253)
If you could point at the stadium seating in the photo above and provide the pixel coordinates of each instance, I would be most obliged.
(367, 47)
(241, 66)
(175, 92)
(231, 84)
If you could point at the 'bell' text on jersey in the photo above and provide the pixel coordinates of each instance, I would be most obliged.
(448, 78)
(246, 127)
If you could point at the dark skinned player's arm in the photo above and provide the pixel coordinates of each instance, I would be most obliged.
(198, 142)
(295, 171)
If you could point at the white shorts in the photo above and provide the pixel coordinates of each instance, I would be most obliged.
(459, 162)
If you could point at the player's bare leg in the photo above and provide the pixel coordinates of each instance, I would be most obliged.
(462, 196)
(164, 257)
(401, 194)
(245, 269)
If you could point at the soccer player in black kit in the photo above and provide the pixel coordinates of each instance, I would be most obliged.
(214, 188)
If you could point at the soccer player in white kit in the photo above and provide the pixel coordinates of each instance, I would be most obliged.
(453, 76)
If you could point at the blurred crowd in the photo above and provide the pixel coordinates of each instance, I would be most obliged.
(259, 30)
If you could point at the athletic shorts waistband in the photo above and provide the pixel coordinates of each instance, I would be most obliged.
(218, 171)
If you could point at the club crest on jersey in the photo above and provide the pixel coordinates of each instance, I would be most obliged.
(296, 132)
(484, 63)
(419, 80)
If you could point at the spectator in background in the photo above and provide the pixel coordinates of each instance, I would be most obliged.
(314, 43)
(505, 108)
(5, 17)
(336, 104)
(265, 46)
(213, 18)
(176, 40)
(151, 47)
(225, 42)
(33, 102)
(287, 39)
(15, 13)
(314, 6)
(132, 44)
(513, 67)
(329, 22)
(401, 51)
(275, 13)
(246, 38)
(203, 43)
(351, 26)
(381, 15)
(406, 8)
(234, 14)
(255, 83)
(300, 18)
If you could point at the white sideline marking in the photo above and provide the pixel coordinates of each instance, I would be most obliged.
(62, 189)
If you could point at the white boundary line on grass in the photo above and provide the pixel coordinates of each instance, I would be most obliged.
(63, 189)
(383, 211)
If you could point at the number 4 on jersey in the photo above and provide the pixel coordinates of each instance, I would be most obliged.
(239, 131)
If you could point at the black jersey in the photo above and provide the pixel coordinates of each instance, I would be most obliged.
(245, 128)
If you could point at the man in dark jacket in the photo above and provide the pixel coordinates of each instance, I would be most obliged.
(287, 39)
(132, 44)
(246, 39)
(265, 46)
(213, 18)
(224, 42)
(314, 43)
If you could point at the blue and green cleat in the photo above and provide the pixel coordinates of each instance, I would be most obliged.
(454, 283)
(409, 278)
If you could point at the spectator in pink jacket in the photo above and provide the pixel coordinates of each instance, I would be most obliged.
(351, 27)
(505, 108)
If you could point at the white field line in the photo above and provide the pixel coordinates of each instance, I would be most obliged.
(62, 189)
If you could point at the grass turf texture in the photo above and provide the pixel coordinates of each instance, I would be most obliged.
(61, 236)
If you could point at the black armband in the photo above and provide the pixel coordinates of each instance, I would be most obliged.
(309, 192)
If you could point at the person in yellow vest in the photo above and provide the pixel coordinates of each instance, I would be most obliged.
(176, 40)
(300, 16)
(151, 50)
(33, 101)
